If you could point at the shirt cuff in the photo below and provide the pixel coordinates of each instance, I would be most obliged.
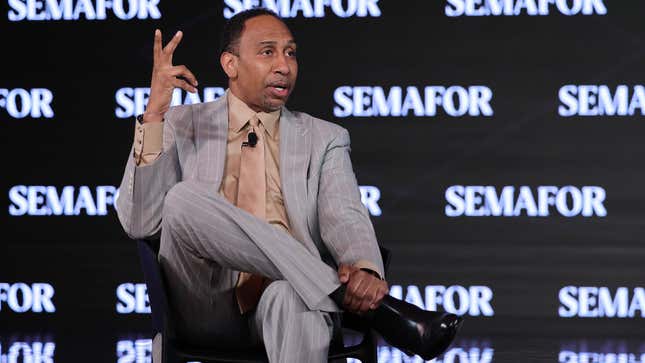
(148, 142)
(368, 265)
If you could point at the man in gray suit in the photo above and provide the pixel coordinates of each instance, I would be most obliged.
(244, 257)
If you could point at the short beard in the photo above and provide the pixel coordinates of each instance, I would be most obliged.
(269, 107)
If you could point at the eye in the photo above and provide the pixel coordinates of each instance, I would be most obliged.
(291, 53)
(267, 52)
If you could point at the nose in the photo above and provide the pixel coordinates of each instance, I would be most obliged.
(281, 65)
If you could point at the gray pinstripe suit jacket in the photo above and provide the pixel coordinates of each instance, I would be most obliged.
(319, 188)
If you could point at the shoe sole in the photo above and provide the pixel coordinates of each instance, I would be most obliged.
(446, 341)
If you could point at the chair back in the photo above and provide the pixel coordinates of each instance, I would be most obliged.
(154, 280)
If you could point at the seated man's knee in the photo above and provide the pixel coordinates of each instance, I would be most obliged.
(280, 294)
(282, 310)
(176, 203)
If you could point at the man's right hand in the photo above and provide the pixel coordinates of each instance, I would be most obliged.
(364, 291)
(165, 77)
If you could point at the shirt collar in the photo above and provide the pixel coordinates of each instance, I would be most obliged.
(239, 115)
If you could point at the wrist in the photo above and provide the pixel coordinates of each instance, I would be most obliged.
(371, 272)
(151, 116)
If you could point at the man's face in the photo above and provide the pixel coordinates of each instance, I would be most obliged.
(266, 66)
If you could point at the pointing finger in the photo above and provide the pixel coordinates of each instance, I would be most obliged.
(173, 43)
(156, 49)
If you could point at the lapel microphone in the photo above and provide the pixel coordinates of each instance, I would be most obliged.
(252, 141)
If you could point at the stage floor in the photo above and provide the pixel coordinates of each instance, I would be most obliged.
(75, 346)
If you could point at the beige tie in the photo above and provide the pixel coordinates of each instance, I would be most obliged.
(251, 196)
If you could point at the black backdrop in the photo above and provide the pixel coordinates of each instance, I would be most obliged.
(523, 60)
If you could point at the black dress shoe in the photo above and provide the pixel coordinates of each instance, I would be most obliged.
(413, 330)
(408, 327)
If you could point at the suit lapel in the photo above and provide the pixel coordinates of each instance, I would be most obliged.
(295, 149)
(211, 131)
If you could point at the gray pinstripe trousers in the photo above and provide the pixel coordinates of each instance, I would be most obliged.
(205, 240)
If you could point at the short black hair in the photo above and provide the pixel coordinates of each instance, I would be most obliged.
(233, 28)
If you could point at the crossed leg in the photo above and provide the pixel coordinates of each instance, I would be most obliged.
(205, 239)
(290, 332)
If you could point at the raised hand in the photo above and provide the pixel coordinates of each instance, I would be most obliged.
(165, 77)
(364, 291)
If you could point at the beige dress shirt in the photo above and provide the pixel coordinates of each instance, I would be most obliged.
(148, 144)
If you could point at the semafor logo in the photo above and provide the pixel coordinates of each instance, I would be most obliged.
(132, 298)
(28, 350)
(21, 103)
(132, 101)
(21, 297)
(70, 10)
(601, 302)
(41, 200)
(134, 351)
(456, 8)
(307, 8)
(584, 356)
(398, 101)
(510, 201)
(456, 299)
(457, 353)
(601, 100)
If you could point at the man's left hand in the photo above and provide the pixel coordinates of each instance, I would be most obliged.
(364, 291)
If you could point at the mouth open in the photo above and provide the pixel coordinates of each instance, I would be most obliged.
(279, 90)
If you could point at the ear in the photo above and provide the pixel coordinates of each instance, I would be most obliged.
(229, 64)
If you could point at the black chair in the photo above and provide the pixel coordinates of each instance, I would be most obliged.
(176, 350)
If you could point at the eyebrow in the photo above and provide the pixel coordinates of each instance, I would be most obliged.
(273, 42)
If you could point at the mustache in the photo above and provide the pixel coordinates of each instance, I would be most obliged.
(284, 83)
